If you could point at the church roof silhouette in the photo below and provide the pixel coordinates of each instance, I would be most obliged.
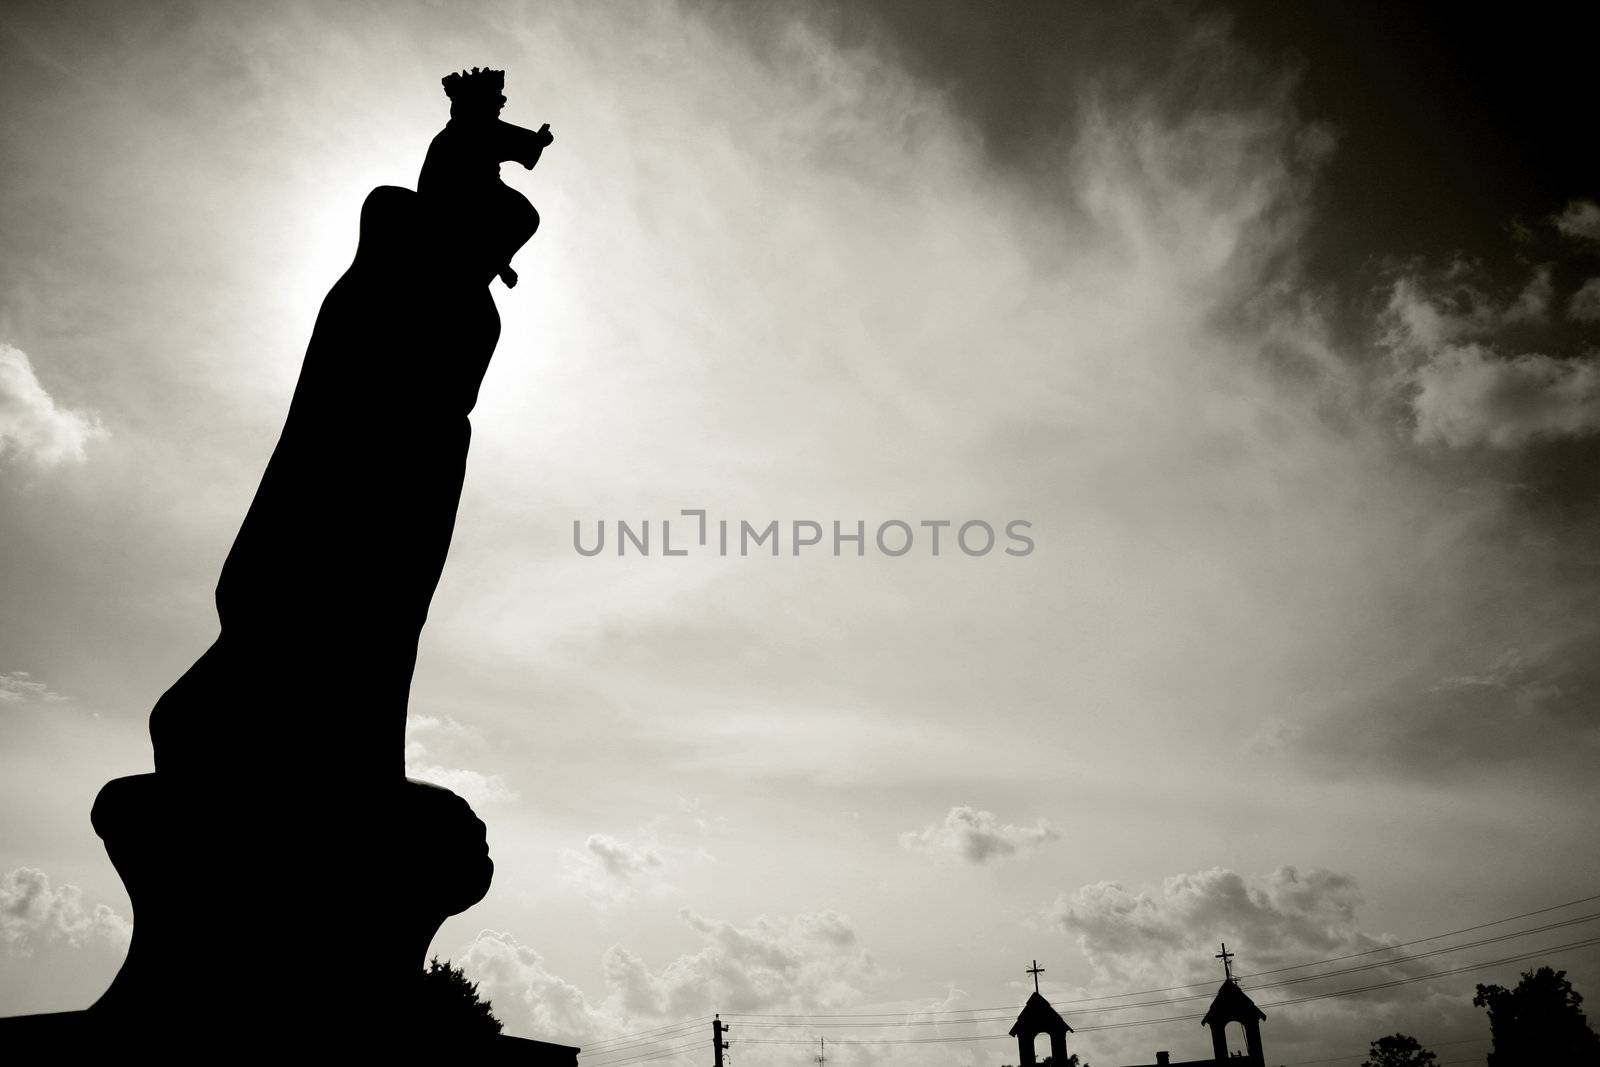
(1231, 1005)
(1038, 1017)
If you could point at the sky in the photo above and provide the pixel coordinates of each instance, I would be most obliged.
(1278, 330)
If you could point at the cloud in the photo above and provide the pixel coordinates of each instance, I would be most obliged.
(1467, 395)
(977, 836)
(1533, 303)
(1464, 391)
(1580, 218)
(525, 996)
(812, 960)
(809, 961)
(431, 739)
(705, 824)
(611, 871)
(1169, 936)
(619, 859)
(1273, 920)
(1584, 305)
(33, 914)
(17, 687)
(32, 425)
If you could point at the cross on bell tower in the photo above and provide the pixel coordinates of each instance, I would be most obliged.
(1037, 970)
(1226, 957)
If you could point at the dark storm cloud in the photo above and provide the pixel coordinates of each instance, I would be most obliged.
(1456, 124)
(1019, 76)
(1456, 128)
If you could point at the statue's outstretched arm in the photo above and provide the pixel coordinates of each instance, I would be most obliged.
(519, 145)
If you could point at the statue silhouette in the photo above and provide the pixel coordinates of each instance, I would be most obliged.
(328, 583)
(279, 815)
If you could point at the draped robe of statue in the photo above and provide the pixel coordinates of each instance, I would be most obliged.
(328, 583)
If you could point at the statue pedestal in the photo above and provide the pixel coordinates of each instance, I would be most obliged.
(282, 914)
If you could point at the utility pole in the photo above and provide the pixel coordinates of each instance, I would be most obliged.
(718, 1028)
(822, 1052)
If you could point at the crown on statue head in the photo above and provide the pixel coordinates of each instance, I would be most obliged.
(474, 84)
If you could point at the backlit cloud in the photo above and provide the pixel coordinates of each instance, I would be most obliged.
(434, 749)
(18, 687)
(33, 425)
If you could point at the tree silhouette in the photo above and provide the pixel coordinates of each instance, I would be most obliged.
(452, 1004)
(1398, 1050)
(1538, 1023)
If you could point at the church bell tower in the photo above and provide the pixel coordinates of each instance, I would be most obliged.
(1232, 1006)
(1038, 1017)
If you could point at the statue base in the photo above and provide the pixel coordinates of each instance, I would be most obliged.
(279, 916)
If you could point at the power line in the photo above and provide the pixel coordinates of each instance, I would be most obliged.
(911, 1022)
(668, 1054)
(1133, 1023)
(636, 1053)
(1445, 950)
(659, 1030)
(1360, 989)
(670, 1036)
(647, 1055)
(636, 1045)
(873, 1040)
(1200, 985)
(1433, 937)
(685, 1024)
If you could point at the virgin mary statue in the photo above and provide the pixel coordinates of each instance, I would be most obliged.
(328, 583)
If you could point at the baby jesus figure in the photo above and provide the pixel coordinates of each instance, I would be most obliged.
(460, 176)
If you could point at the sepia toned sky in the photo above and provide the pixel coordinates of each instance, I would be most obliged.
(1280, 330)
